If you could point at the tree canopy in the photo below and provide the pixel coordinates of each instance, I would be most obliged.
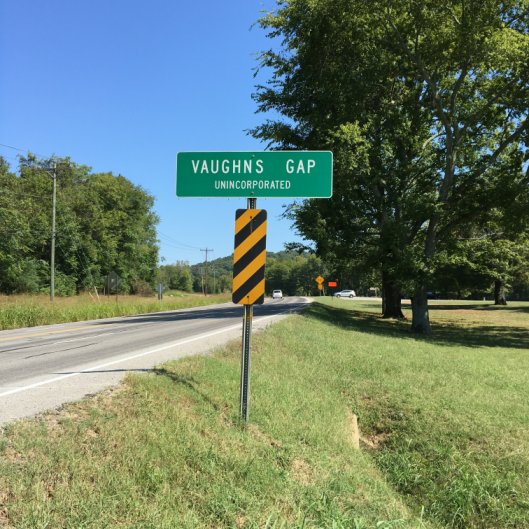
(105, 224)
(425, 106)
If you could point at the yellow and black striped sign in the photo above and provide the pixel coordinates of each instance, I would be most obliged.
(249, 257)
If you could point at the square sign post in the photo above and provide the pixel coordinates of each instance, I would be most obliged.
(282, 174)
(249, 257)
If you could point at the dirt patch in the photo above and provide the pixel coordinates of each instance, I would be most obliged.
(4, 518)
(354, 431)
(4, 513)
(263, 437)
(302, 472)
(374, 442)
(11, 455)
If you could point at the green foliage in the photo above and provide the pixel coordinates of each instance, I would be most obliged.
(104, 223)
(28, 311)
(219, 272)
(294, 274)
(176, 277)
(65, 285)
(425, 107)
(493, 252)
(290, 271)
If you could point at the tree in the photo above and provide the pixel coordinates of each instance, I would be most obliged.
(18, 269)
(177, 276)
(122, 226)
(491, 255)
(481, 264)
(104, 223)
(425, 106)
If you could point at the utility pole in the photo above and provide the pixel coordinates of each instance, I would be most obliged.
(53, 234)
(206, 280)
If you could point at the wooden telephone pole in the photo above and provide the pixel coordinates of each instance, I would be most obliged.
(206, 279)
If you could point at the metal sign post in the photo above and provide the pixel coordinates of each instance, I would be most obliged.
(245, 361)
(247, 327)
(252, 174)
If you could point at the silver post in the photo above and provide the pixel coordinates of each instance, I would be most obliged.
(245, 363)
(246, 347)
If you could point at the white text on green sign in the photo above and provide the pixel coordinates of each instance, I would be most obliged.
(254, 174)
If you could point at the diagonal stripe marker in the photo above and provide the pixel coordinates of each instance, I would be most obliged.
(249, 257)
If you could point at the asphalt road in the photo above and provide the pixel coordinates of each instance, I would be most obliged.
(44, 367)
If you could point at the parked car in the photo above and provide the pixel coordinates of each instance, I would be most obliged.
(277, 294)
(345, 294)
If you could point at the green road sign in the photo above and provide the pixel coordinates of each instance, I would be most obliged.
(254, 174)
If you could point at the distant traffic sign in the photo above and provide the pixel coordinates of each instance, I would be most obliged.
(254, 174)
(319, 280)
(332, 284)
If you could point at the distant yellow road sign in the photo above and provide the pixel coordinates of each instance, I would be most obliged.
(249, 257)
(320, 286)
(319, 280)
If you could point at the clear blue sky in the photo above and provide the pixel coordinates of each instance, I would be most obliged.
(123, 85)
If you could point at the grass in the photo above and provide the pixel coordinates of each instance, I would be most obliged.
(29, 311)
(449, 415)
(444, 433)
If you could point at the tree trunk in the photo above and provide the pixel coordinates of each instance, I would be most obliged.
(420, 318)
(391, 301)
(499, 293)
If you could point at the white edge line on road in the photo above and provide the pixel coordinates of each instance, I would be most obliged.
(145, 353)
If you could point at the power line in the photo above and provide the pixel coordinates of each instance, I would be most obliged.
(14, 148)
(25, 150)
(178, 242)
(178, 247)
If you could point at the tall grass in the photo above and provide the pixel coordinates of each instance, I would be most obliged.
(29, 311)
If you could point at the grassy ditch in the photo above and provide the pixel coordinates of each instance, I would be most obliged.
(29, 311)
(444, 433)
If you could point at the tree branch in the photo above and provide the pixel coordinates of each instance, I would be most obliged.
(501, 147)
(436, 100)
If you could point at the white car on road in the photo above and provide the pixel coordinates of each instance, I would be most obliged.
(345, 294)
(277, 294)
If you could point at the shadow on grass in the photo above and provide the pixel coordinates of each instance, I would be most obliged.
(443, 333)
(490, 307)
(188, 382)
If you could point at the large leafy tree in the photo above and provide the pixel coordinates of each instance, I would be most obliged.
(18, 268)
(491, 254)
(122, 226)
(425, 106)
(104, 223)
